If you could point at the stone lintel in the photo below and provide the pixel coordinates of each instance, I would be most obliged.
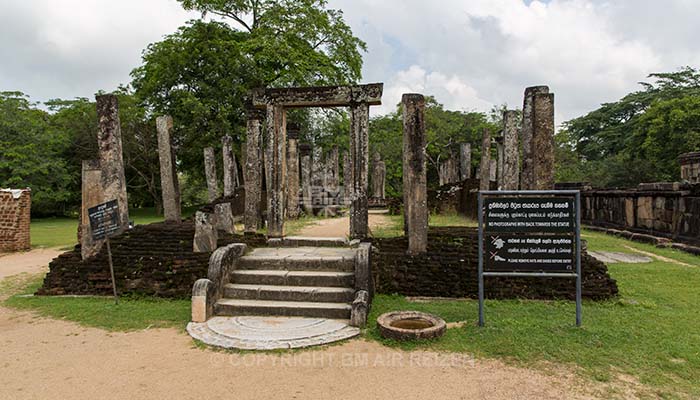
(319, 96)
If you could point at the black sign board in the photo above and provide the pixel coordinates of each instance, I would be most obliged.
(104, 219)
(530, 233)
(520, 253)
(545, 214)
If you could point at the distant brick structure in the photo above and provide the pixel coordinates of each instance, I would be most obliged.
(15, 207)
(690, 167)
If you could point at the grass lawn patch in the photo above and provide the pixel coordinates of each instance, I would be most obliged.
(453, 219)
(62, 232)
(649, 332)
(99, 312)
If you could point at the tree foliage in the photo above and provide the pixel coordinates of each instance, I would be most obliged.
(202, 74)
(31, 153)
(636, 139)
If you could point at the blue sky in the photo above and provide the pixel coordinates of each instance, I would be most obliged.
(470, 54)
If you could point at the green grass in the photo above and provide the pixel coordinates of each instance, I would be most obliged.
(650, 332)
(99, 312)
(62, 232)
(453, 219)
(395, 227)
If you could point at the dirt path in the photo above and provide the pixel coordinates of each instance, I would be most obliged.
(54, 359)
(32, 262)
(339, 227)
(42, 358)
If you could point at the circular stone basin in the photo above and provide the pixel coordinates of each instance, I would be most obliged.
(410, 325)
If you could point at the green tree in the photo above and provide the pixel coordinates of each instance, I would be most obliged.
(636, 139)
(202, 74)
(31, 154)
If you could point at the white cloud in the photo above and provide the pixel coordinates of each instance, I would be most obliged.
(469, 54)
(496, 48)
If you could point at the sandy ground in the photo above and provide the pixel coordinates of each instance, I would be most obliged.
(50, 359)
(33, 262)
(339, 227)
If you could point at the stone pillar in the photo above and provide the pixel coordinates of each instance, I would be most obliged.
(493, 170)
(276, 163)
(485, 166)
(292, 172)
(92, 195)
(511, 152)
(230, 166)
(543, 142)
(205, 233)
(332, 175)
(465, 161)
(527, 176)
(109, 142)
(253, 172)
(306, 184)
(170, 187)
(210, 173)
(414, 173)
(499, 151)
(378, 177)
(359, 154)
(347, 179)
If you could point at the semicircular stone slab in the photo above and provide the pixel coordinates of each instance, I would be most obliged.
(269, 333)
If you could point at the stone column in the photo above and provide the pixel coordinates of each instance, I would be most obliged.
(332, 180)
(347, 178)
(493, 170)
(485, 166)
(500, 157)
(527, 176)
(230, 166)
(253, 172)
(292, 171)
(210, 173)
(224, 216)
(415, 190)
(465, 161)
(170, 187)
(305, 152)
(359, 154)
(92, 195)
(109, 141)
(378, 177)
(276, 162)
(511, 152)
(543, 142)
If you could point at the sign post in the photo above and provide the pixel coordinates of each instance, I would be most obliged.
(104, 221)
(530, 234)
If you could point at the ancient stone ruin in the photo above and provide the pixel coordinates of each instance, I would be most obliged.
(103, 179)
(168, 172)
(15, 206)
(276, 102)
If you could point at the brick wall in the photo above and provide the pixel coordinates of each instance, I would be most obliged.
(449, 269)
(15, 217)
(157, 260)
(154, 260)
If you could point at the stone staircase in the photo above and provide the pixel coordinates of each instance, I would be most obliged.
(303, 277)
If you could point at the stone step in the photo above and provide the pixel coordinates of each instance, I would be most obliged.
(235, 307)
(301, 241)
(294, 278)
(300, 259)
(288, 293)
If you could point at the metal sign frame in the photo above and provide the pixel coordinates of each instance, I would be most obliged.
(531, 193)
